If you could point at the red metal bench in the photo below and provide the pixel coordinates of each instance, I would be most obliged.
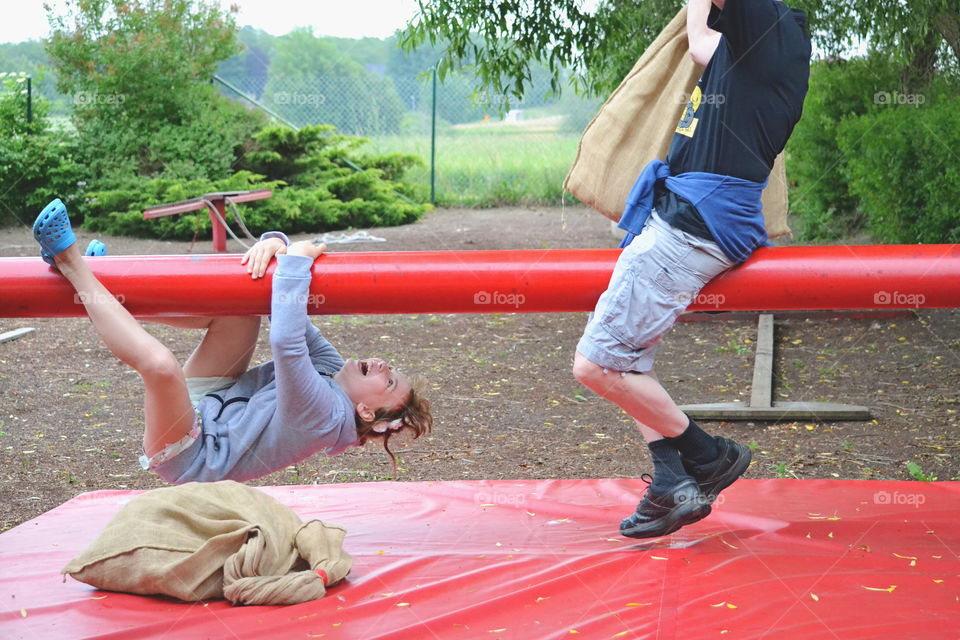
(215, 204)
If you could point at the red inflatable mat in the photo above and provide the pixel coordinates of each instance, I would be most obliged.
(543, 559)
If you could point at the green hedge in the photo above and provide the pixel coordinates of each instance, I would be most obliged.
(36, 163)
(902, 163)
(819, 194)
(314, 190)
(870, 157)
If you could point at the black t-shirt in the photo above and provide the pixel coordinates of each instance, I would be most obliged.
(745, 105)
(750, 95)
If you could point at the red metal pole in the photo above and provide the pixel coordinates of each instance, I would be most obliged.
(219, 231)
(844, 277)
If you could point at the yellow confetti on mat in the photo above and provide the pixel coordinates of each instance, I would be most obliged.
(889, 589)
(542, 598)
(937, 581)
(23, 613)
(638, 604)
(658, 558)
(497, 630)
(620, 635)
(488, 504)
(815, 597)
(97, 597)
(573, 631)
(403, 604)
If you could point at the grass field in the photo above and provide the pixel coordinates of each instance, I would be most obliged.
(492, 165)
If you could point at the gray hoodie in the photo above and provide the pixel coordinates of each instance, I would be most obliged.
(278, 413)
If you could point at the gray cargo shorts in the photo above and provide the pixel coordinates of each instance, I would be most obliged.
(656, 277)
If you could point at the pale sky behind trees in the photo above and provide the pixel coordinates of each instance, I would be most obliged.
(340, 18)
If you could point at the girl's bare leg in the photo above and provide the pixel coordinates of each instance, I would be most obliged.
(168, 413)
(226, 348)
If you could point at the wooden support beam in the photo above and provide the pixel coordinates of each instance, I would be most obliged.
(761, 405)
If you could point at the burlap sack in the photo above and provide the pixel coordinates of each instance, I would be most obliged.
(636, 125)
(200, 541)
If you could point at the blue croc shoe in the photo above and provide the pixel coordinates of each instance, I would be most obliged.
(52, 230)
(96, 248)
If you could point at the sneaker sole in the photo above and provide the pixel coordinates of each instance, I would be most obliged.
(681, 516)
(732, 473)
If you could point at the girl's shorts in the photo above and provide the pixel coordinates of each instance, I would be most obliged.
(197, 388)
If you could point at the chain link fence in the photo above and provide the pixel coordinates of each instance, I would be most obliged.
(475, 149)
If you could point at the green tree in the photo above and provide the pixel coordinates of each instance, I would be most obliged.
(505, 39)
(138, 72)
(313, 82)
(920, 36)
(36, 162)
(249, 69)
(141, 55)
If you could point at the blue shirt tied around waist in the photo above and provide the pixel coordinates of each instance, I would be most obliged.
(730, 206)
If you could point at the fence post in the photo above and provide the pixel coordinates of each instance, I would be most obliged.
(433, 142)
(29, 100)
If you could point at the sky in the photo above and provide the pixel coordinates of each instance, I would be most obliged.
(341, 18)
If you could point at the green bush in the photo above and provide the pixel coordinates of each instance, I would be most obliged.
(901, 163)
(819, 195)
(204, 140)
(313, 189)
(37, 164)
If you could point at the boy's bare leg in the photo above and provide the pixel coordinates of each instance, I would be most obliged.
(640, 395)
(168, 413)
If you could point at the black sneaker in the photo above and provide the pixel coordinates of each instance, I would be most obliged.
(713, 477)
(659, 514)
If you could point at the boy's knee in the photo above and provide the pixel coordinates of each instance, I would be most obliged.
(585, 371)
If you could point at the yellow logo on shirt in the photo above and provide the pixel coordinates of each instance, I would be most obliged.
(688, 122)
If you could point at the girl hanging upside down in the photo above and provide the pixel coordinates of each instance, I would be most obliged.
(213, 418)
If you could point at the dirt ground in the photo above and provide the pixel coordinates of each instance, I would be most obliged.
(505, 402)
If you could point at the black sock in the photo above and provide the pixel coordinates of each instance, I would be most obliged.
(695, 443)
(667, 467)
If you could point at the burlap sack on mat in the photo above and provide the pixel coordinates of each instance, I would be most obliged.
(636, 125)
(200, 541)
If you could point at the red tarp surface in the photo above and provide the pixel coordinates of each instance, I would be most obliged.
(543, 559)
